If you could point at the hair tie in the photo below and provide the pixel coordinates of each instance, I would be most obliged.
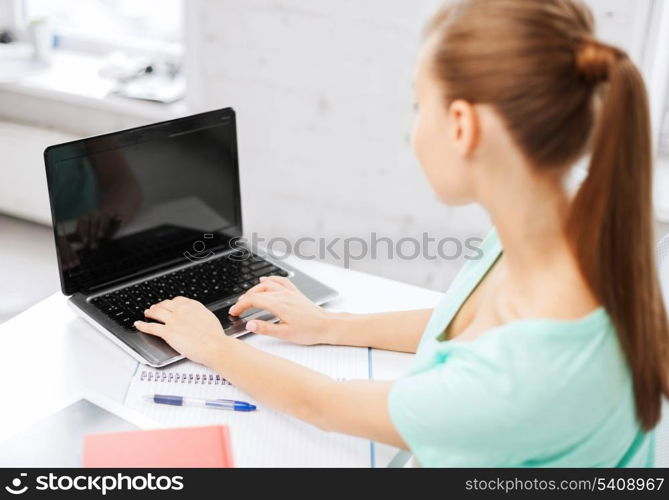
(594, 60)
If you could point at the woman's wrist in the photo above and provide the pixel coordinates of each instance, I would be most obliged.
(335, 328)
(218, 350)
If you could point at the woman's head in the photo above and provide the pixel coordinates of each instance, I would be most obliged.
(527, 80)
(511, 69)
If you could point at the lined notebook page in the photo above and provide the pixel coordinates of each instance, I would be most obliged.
(263, 438)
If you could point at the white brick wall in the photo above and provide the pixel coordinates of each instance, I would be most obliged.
(323, 94)
(324, 100)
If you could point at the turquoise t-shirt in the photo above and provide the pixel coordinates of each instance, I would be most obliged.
(530, 393)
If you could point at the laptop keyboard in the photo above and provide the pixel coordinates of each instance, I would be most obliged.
(208, 282)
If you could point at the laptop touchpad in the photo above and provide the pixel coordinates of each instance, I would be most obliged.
(234, 325)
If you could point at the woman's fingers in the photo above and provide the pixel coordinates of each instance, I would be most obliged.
(166, 304)
(271, 284)
(266, 328)
(267, 284)
(156, 329)
(158, 313)
(180, 300)
(162, 311)
(270, 301)
(279, 280)
(262, 287)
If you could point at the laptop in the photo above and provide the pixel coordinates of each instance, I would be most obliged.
(151, 213)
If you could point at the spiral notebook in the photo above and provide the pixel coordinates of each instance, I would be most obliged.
(264, 438)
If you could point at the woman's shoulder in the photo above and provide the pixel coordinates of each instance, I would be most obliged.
(533, 341)
(537, 358)
(531, 385)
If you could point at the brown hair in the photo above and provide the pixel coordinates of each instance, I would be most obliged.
(562, 94)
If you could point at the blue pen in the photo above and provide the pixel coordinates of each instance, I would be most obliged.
(214, 404)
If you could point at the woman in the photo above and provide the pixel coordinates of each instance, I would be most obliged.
(552, 352)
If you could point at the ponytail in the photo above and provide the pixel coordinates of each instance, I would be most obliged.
(611, 223)
(568, 94)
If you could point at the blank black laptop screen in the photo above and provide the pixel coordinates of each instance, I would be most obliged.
(127, 204)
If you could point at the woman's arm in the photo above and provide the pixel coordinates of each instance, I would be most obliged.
(393, 331)
(303, 322)
(358, 408)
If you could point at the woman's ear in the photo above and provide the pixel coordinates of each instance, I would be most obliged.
(464, 126)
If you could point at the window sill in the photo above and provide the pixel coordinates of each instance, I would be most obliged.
(73, 78)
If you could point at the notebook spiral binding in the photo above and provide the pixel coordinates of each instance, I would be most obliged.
(183, 378)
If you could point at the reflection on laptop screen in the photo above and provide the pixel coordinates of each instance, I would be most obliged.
(128, 203)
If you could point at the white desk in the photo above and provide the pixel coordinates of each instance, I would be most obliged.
(49, 355)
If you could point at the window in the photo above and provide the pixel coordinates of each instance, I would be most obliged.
(101, 25)
(657, 75)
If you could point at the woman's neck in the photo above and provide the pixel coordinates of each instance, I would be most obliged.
(530, 223)
(530, 215)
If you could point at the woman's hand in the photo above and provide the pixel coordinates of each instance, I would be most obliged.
(302, 321)
(188, 326)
